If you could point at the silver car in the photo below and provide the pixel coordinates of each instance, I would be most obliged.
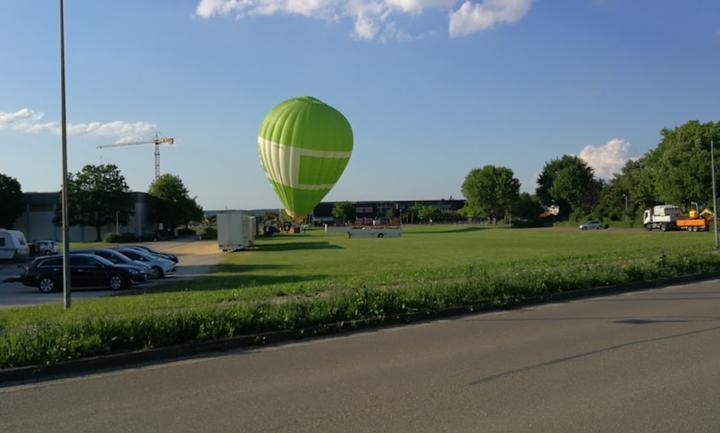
(45, 248)
(593, 225)
(160, 267)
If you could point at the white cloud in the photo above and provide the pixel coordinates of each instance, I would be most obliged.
(607, 159)
(374, 19)
(19, 117)
(474, 17)
(30, 121)
(126, 131)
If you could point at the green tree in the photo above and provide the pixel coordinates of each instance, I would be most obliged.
(450, 215)
(569, 183)
(428, 213)
(11, 201)
(469, 211)
(491, 190)
(96, 194)
(527, 210)
(637, 184)
(677, 171)
(344, 211)
(611, 204)
(172, 203)
(632, 187)
(680, 165)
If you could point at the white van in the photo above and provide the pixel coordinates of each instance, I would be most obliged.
(13, 244)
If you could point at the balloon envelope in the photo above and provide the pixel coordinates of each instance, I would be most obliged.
(304, 145)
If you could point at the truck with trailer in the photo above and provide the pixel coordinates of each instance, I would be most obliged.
(236, 230)
(670, 217)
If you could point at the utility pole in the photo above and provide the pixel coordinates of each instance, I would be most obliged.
(712, 170)
(63, 125)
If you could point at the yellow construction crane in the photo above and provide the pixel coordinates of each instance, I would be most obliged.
(157, 141)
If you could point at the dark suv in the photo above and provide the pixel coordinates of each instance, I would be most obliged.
(85, 270)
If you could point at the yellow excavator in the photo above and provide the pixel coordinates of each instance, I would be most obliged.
(697, 220)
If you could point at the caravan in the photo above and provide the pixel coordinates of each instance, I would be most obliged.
(236, 230)
(13, 244)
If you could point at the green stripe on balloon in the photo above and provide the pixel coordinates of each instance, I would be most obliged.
(321, 171)
(299, 202)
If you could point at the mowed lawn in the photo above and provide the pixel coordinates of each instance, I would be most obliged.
(310, 264)
(319, 260)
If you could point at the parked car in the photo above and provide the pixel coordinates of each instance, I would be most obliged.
(13, 244)
(159, 265)
(172, 257)
(119, 259)
(45, 248)
(593, 225)
(45, 273)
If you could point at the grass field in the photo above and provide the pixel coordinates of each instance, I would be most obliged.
(298, 280)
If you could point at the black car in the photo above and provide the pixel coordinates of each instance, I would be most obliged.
(169, 256)
(119, 259)
(85, 270)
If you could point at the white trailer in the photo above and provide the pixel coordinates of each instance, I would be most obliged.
(236, 230)
(13, 244)
(662, 217)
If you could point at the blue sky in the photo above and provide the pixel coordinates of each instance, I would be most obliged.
(433, 88)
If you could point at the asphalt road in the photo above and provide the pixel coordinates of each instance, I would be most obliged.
(640, 362)
(196, 258)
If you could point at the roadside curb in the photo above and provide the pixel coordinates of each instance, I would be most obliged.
(17, 375)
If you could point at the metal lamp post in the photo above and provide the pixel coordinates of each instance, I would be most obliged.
(714, 193)
(63, 128)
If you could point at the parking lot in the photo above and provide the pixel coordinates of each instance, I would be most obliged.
(196, 259)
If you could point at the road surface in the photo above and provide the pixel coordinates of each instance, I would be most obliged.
(196, 259)
(639, 362)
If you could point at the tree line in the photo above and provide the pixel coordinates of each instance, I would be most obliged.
(344, 212)
(677, 171)
(99, 196)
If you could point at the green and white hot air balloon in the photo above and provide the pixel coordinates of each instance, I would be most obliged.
(304, 146)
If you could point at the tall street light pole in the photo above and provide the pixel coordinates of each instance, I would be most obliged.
(712, 170)
(63, 127)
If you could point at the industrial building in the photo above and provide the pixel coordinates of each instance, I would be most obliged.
(36, 222)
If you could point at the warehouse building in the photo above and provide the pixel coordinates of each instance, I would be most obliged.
(36, 222)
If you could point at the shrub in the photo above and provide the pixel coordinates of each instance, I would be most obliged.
(186, 232)
(209, 233)
(117, 238)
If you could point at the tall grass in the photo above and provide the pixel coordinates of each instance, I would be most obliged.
(35, 340)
